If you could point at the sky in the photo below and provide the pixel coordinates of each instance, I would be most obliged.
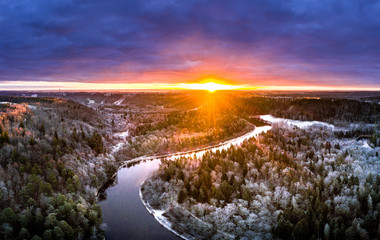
(157, 43)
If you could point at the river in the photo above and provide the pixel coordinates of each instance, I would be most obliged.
(125, 215)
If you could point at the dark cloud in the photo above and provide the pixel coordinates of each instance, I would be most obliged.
(85, 40)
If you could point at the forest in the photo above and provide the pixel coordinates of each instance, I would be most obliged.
(57, 153)
(162, 132)
(331, 110)
(49, 171)
(290, 183)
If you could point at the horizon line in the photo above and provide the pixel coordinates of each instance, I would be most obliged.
(83, 86)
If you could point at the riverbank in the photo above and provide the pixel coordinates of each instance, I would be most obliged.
(159, 216)
(253, 192)
(231, 140)
(171, 222)
(166, 217)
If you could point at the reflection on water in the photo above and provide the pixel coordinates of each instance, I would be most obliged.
(102, 194)
(123, 211)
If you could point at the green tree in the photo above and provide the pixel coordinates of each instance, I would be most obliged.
(48, 235)
(227, 190)
(352, 234)
(7, 215)
(51, 178)
(41, 129)
(181, 196)
(51, 220)
(301, 230)
(61, 199)
(39, 219)
(26, 218)
(219, 194)
(204, 194)
(73, 218)
(6, 230)
(96, 142)
(284, 228)
(24, 234)
(76, 183)
(58, 233)
(245, 194)
(35, 237)
(67, 230)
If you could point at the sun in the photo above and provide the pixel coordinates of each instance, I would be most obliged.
(212, 87)
(208, 86)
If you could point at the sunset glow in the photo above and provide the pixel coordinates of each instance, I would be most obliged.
(242, 119)
(209, 86)
(85, 86)
(168, 45)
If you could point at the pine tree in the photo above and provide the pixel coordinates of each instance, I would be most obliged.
(181, 196)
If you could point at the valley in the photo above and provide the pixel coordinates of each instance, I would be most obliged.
(72, 165)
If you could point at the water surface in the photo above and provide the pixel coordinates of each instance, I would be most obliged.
(123, 212)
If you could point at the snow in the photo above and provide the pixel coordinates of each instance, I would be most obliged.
(117, 147)
(365, 145)
(225, 145)
(159, 216)
(11, 103)
(200, 152)
(361, 167)
(297, 123)
(122, 135)
(90, 101)
(34, 95)
(118, 102)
